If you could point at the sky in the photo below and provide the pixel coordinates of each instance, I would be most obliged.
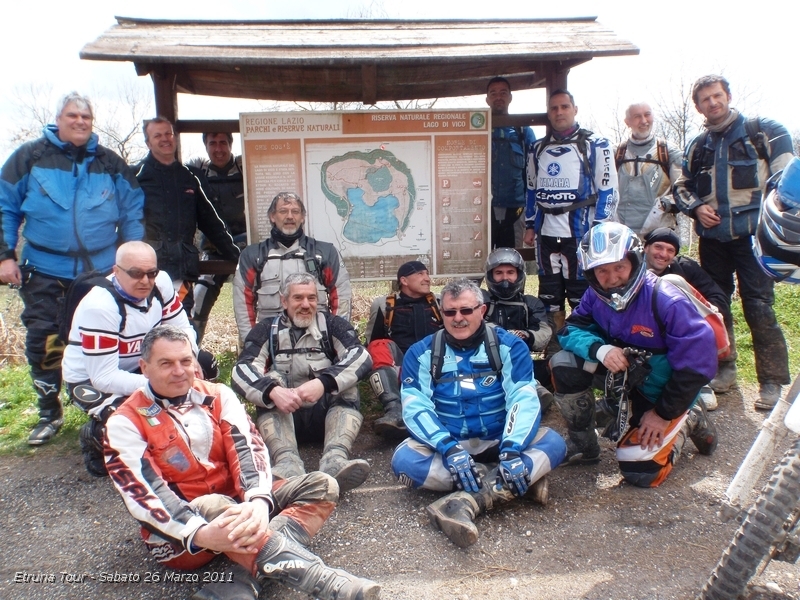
(754, 46)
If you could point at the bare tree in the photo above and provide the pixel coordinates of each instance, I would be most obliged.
(119, 119)
(618, 130)
(678, 120)
(34, 107)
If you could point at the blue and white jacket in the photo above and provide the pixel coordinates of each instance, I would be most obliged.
(78, 205)
(502, 406)
(560, 174)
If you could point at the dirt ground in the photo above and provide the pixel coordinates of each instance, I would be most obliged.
(71, 537)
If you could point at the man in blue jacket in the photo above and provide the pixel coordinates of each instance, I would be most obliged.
(78, 201)
(470, 405)
(725, 173)
(628, 309)
(510, 146)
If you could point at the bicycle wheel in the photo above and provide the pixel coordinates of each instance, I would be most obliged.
(760, 529)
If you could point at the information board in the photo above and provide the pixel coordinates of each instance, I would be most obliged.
(384, 187)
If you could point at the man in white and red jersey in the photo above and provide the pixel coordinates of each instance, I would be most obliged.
(105, 340)
(193, 471)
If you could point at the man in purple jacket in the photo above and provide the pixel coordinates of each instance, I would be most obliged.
(627, 309)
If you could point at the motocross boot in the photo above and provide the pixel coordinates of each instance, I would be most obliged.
(277, 430)
(579, 412)
(700, 429)
(243, 587)
(341, 428)
(386, 386)
(283, 560)
(455, 513)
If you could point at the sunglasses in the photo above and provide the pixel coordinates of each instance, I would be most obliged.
(452, 312)
(138, 273)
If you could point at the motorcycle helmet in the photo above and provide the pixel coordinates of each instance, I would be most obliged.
(505, 289)
(608, 243)
(776, 244)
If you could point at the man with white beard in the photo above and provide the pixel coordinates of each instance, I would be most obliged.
(647, 167)
(301, 370)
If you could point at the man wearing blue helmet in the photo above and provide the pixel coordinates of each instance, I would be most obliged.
(627, 307)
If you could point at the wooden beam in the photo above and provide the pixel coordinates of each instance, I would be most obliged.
(207, 125)
(521, 120)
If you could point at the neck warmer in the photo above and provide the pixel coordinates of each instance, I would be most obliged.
(648, 140)
(287, 240)
(472, 342)
(732, 116)
(562, 135)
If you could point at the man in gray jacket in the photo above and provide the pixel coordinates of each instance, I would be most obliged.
(647, 167)
(301, 370)
(725, 172)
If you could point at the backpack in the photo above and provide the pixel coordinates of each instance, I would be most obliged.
(708, 311)
(438, 352)
(757, 137)
(326, 348)
(82, 285)
(388, 312)
(662, 156)
(311, 260)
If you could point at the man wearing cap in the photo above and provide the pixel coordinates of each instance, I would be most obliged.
(661, 248)
(395, 323)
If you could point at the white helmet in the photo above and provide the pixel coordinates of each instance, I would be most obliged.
(608, 243)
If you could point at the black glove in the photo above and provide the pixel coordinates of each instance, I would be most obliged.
(462, 469)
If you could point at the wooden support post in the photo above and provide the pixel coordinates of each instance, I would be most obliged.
(369, 83)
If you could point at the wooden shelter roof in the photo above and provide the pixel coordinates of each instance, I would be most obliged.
(354, 60)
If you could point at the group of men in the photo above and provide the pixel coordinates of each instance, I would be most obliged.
(575, 180)
(454, 372)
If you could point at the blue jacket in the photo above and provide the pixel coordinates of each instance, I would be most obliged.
(509, 182)
(501, 407)
(78, 205)
(684, 359)
(730, 177)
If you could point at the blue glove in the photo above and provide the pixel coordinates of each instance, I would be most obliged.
(513, 472)
(462, 468)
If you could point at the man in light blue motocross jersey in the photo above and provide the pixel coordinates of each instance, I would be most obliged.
(470, 405)
(572, 184)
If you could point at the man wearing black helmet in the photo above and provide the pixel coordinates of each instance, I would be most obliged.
(508, 306)
(627, 308)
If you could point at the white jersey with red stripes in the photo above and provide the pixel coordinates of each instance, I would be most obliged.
(100, 353)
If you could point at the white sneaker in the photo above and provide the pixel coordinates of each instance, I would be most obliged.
(709, 398)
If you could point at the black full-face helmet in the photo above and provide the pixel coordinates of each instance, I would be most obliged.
(608, 243)
(505, 289)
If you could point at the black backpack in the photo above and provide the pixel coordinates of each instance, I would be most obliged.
(81, 286)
